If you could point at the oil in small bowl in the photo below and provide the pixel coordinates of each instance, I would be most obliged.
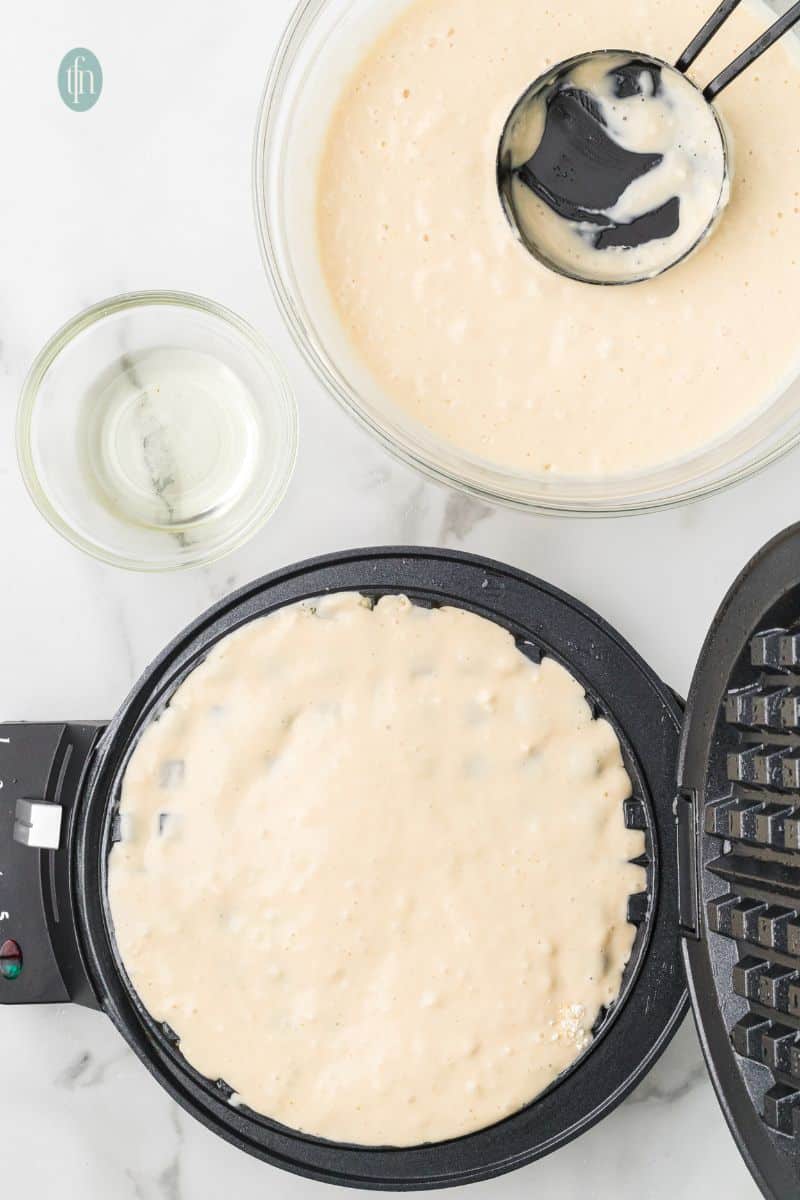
(157, 431)
(170, 437)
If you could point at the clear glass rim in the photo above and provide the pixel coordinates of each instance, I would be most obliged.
(53, 348)
(480, 479)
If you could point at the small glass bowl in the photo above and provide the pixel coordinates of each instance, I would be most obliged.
(320, 47)
(156, 431)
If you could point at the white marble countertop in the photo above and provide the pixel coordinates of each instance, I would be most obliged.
(152, 189)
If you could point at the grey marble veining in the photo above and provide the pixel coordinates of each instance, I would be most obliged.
(151, 189)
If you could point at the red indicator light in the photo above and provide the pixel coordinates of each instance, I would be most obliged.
(10, 959)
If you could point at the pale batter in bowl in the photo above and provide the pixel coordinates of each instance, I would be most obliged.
(374, 870)
(485, 347)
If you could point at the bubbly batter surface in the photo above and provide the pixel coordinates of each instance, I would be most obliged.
(374, 870)
(485, 346)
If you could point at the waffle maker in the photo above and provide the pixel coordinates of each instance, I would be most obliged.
(719, 921)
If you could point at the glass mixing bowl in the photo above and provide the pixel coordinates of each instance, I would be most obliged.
(321, 45)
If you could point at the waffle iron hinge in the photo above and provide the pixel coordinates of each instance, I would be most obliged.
(688, 891)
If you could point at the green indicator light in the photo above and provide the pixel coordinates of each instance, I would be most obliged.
(10, 960)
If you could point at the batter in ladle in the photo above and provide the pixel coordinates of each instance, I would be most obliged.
(613, 167)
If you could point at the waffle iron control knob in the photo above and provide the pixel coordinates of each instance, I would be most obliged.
(38, 824)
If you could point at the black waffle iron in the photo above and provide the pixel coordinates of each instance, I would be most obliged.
(721, 909)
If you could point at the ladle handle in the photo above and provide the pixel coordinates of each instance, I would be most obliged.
(747, 57)
(701, 39)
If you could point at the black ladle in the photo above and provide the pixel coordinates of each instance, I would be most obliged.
(577, 170)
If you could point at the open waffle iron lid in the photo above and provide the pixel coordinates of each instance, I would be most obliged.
(738, 811)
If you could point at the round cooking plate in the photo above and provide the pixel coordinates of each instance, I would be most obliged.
(620, 686)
